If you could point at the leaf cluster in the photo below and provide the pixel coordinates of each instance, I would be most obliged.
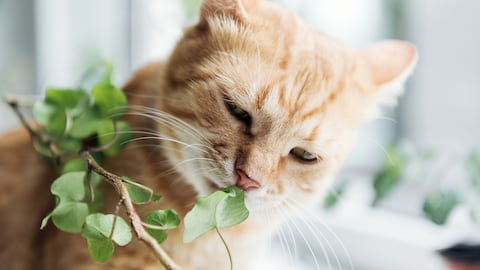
(78, 128)
(74, 120)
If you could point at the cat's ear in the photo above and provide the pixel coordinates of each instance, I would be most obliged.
(235, 9)
(388, 65)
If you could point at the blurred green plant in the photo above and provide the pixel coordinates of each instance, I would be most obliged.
(390, 175)
(437, 205)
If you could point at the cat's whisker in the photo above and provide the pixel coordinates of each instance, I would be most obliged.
(384, 150)
(175, 124)
(390, 119)
(163, 138)
(319, 241)
(315, 233)
(307, 243)
(166, 117)
(295, 251)
(315, 218)
(177, 167)
(283, 238)
(291, 255)
(182, 129)
(283, 245)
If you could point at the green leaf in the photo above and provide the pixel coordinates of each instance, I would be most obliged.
(41, 148)
(69, 145)
(50, 116)
(231, 211)
(438, 206)
(332, 198)
(99, 226)
(85, 125)
(70, 211)
(70, 187)
(473, 169)
(140, 194)
(223, 208)
(384, 182)
(70, 216)
(98, 201)
(75, 165)
(106, 134)
(67, 98)
(100, 250)
(167, 218)
(159, 235)
(109, 100)
(387, 178)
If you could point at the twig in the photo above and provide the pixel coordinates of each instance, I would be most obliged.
(15, 105)
(118, 183)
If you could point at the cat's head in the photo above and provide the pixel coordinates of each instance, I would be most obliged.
(265, 102)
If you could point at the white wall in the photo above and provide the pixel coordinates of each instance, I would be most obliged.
(443, 107)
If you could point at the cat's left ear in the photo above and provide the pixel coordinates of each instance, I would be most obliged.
(387, 65)
(234, 9)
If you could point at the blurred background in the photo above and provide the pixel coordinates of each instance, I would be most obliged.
(412, 183)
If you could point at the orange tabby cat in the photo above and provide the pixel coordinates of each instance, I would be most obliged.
(251, 96)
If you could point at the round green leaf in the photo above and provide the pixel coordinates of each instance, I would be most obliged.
(100, 250)
(159, 235)
(140, 194)
(75, 165)
(69, 145)
(438, 206)
(41, 148)
(85, 125)
(70, 187)
(99, 226)
(109, 99)
(166, 218)
(67, 98)
(50, 116)
(223, 208)
(231, 210)
(70, 216)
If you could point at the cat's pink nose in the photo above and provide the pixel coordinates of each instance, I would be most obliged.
(245, 182)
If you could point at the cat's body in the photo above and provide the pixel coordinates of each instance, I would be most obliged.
(255, 97)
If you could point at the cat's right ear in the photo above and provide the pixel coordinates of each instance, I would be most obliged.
(387, 65)
(233, 9)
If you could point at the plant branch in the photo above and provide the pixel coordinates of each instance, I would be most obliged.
(137, 224)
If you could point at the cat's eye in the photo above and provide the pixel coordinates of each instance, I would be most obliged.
(237, 112)
(303, 155)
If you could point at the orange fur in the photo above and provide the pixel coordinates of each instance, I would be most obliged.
(301, 88)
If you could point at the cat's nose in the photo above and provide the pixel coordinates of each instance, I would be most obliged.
(245, 182)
